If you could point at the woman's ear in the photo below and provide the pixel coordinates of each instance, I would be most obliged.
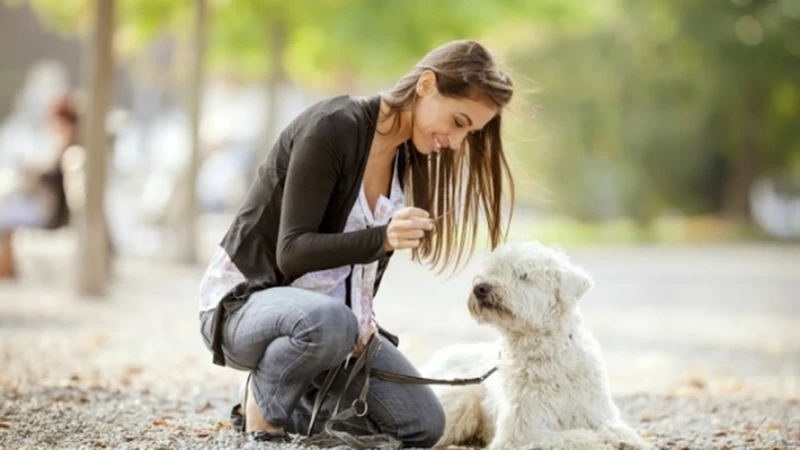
(426, 85)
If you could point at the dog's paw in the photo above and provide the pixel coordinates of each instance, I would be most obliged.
(500, 445)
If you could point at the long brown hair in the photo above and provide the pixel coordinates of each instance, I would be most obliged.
(469, 181)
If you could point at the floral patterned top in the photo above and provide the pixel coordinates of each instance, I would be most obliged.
(222, 275)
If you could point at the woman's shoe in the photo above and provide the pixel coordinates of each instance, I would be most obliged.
(268, 436)
(239, 420)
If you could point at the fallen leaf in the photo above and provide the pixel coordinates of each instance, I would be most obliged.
(774, 426)
(646, 416)
(5, 425)
(128, 438)
(208, 406)
(649, 435)
(75, 377)
(99, 444)
(134, 370)
(160, 423)
(173, 438)
(750, 437)
(719, 433)
(221, 425)
(697, 382)
(204, 433)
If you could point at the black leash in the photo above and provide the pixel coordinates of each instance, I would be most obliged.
(329, 437)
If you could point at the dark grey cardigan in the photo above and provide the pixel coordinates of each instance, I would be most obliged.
(292, 219)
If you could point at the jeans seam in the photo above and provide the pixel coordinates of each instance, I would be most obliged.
(272, 404)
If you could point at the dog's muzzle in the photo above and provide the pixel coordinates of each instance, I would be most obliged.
(485, 295)
(482, 291)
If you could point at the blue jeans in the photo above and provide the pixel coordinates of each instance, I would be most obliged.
(289, 337)
(22, 211)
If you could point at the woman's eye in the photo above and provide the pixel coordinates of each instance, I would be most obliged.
(458, 124)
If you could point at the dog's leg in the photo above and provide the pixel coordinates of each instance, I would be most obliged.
(514, 428)
(625, 437)
(614, 436)
(465, 419)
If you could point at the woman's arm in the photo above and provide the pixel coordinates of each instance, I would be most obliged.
(313, 173)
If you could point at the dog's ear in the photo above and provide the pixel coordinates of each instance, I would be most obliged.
(574, 282)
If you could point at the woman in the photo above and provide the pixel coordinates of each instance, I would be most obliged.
(288, 296)
(42, 202)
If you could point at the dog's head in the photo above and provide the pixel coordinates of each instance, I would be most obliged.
(527, 286)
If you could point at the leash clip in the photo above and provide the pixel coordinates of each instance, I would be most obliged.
(355, 407)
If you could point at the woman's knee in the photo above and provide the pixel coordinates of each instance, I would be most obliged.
(328, 325)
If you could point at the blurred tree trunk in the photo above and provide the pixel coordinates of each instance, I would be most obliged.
(744, 163)
(93, 242)
(273, 83)
(187, 232)
(739, 179)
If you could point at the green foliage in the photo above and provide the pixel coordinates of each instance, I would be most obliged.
(323, 40)
(655, 111)
(137, 21)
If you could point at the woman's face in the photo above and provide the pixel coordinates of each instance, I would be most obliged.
(443, 122)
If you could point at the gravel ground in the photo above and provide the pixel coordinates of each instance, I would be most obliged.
(701, 346)
(76, 416)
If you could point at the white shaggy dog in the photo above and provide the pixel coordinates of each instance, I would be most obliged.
(550, 390)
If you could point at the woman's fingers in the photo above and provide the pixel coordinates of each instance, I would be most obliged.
(408, 227)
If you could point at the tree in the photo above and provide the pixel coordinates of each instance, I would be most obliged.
(188, 234)
(93, 253)
(320, 45)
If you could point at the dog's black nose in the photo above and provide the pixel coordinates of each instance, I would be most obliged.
(481, 290)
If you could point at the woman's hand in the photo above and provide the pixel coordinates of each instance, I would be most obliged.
(364, 339)
(407, 228)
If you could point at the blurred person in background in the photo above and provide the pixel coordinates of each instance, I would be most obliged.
(33, 196)
(288, 295)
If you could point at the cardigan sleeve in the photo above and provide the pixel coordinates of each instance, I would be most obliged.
(313, 172)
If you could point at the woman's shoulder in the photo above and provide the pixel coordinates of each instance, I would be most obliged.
(344, 113)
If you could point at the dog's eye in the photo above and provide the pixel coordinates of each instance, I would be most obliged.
(523, 276)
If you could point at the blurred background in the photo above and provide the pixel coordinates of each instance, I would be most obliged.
(658, 141)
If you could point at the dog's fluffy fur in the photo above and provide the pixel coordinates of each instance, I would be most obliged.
(551, 389)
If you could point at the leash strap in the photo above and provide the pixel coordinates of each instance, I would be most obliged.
(330, 437)
(408, 379)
